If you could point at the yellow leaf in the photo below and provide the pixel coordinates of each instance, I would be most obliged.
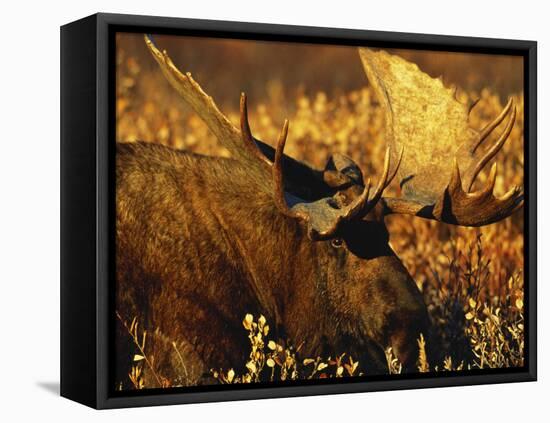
(247, 322)
(469, 316)
(308, 361)
(143, 341)
(339, 371)
(270, 362)
(230, 375)
(472, 303)
(138, 357)
(322, 366)
(251, 366)
(261, 320)
(266, 330)
(519, 303)
(271, 345)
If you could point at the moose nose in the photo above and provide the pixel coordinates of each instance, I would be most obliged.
(392, 308)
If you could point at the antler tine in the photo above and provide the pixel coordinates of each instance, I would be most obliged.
(390, 179)
(277, 173)
(363, 205)
(469, 209)
(513, 192)
(249, 142)
(489, 128)
(491, 180)
(383, 183)
(494, 149)
(471, 106)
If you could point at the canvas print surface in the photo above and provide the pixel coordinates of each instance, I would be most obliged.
(290, 212)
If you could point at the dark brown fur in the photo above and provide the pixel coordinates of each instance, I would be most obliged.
(200, 244)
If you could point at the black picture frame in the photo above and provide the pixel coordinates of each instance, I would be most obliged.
(87, 214)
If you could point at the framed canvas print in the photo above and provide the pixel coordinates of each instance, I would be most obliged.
(255, 211)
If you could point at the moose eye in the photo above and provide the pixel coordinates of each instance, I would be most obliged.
(337, 242)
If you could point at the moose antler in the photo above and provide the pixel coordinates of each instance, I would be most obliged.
(323, 216)
(424, 116)
(227, 134)
(208, 111)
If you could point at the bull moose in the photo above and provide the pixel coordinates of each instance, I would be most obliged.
(201, 241)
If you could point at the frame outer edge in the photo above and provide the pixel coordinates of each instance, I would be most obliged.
(532, 218)
(106, 23)
(103, 208)
(78, 168)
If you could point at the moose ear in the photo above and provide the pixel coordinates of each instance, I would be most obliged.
(341, 172)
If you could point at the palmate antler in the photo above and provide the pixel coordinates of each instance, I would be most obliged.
(199, 101)
(443, 155)
(323, 216)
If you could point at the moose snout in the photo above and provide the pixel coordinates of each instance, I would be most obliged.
(393, 309)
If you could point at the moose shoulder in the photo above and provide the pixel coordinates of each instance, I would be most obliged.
(201, 241)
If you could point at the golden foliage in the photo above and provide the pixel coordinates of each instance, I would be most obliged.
(423, 365)
(273, 361)
(471, 278)
(138, 338)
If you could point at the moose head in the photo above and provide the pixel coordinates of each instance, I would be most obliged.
(359, 293)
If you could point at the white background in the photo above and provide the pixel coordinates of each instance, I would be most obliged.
(29, 208)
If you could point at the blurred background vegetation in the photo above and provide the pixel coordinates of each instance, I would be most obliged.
(471, 278)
